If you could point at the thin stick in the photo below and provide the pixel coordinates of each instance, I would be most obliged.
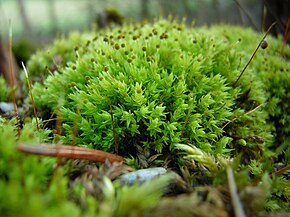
(284, 169)
(31, 95)
(253, 55)
(113, 129)
(12, 81)
(58, 126)
(75, 128)
(249, 112)
(185, 123)
(247, 14)
(286, 33)
(69, 152)
(237, 205)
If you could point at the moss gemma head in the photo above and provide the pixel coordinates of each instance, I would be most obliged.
(157, 91)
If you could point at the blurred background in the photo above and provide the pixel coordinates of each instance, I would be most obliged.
(37, 22)
(42, 20)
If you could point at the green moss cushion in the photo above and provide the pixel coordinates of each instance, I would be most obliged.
(155, 85)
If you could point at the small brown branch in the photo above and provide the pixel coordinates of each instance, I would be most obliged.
(58, 126)
(12, 83)
(185, 123)
(75, 128)
(286, 33)
(113, 129)
(284, 169)
(69, 152)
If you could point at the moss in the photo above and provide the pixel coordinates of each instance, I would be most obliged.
(164, 94)
(33, 186)
(23, 179)
(46, 61)
(5, 91)
(180, 92)
(271, 67)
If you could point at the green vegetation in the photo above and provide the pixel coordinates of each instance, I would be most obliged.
(163, 94)
(5, 91)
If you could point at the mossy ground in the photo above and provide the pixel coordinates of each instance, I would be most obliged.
(166, 95)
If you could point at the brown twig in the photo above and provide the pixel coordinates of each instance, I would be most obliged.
(75, 128)
(12, 82)
(113, 129)
(284, 169)
(69, 152)
(286, 33)
(58, 126)
(185, 123)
